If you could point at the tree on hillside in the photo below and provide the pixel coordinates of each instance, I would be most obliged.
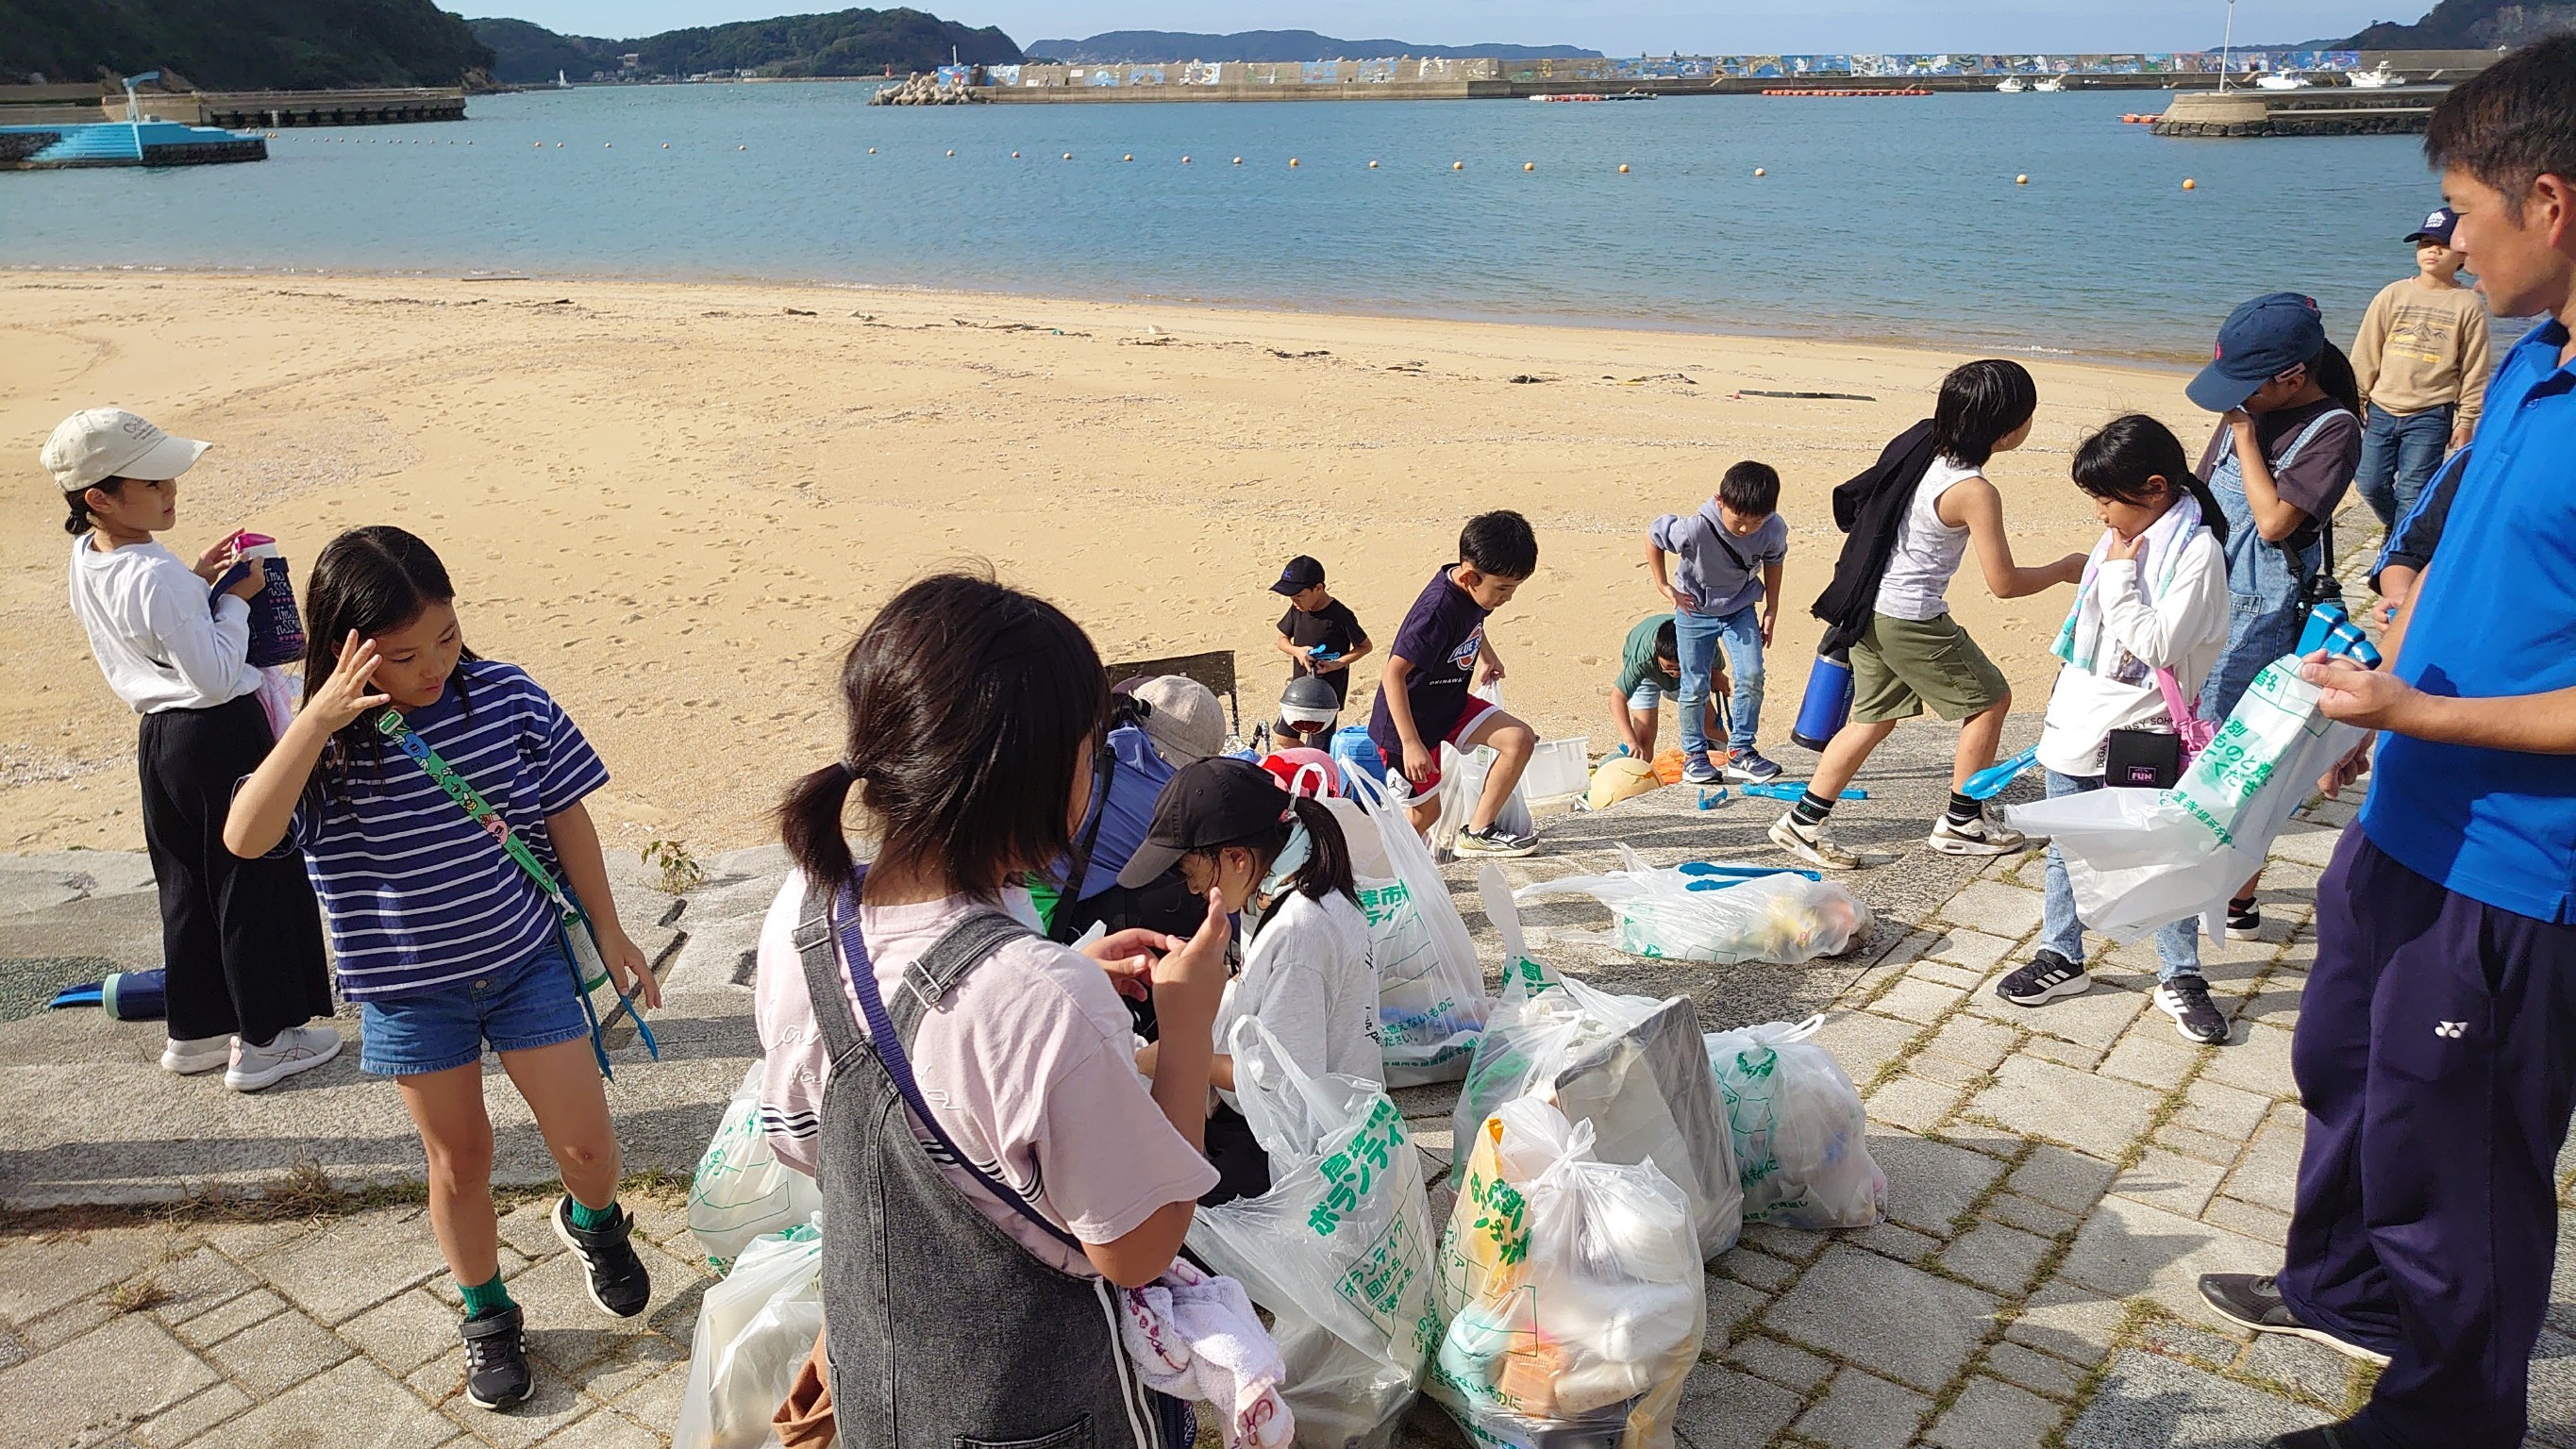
(243, 44)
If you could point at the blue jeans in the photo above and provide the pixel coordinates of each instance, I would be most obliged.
(520, 1007)
(2399, 455)
(1699, 636)
(2177, 945)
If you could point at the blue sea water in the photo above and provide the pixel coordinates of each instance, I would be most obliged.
(1877, 218)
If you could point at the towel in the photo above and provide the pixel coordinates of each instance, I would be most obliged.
(2080, 639)
(1194, 1336)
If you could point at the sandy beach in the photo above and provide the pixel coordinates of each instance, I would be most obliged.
(676, 503)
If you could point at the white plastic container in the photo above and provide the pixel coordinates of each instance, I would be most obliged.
(1558, 770)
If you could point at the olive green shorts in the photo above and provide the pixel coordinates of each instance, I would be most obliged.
(1901, 665)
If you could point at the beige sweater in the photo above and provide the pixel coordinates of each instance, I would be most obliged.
(2420, 348)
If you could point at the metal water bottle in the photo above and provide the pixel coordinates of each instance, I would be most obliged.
(1827, 704)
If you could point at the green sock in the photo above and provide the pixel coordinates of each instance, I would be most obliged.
(492, 1297)
(592, 1219)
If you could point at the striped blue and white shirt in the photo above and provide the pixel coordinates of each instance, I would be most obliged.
(417, 896)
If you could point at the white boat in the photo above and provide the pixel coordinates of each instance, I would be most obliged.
(560, 83)
(2050, 85)
(2371, 80)
(2283, 80)
(2012, 85)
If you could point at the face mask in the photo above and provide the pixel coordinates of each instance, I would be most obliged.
(1292, 859)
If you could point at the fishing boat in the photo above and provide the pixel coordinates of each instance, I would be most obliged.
(2379, 79)
(2283, 80)
(2012, 85)
(137, 140)
(2049, 85)
(1576, 97)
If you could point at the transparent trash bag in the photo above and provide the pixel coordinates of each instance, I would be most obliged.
(741, 1190)
(1574, 1291)
(1339, 1250)
(755, 1331)
(1801, 1141)
(1431, 988)
(1785, 919)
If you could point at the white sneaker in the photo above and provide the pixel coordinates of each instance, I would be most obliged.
(297, 1049)
(1812, 844)
(1978, 837)
(187, 1056)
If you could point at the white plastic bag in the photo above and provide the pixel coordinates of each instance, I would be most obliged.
(741, 1190)
(2138, 859)
(755, 1331)
(1801, 1139)
(1431, 988)
(1784, 919)
(1339, 1250)
(1574, 1289)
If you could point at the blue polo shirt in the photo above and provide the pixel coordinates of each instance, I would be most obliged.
(2496, 617)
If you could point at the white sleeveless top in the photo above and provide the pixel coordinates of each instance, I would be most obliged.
(1928, 551)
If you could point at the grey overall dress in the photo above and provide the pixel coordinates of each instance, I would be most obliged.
(942, 1331)
(2264, 580)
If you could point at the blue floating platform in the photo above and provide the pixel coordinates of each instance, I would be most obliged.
(124, 143)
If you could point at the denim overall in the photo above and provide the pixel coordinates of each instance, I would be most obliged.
(942, 1330)
(2263, 581)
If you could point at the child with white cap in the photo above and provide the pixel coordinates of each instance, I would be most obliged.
(240, 939)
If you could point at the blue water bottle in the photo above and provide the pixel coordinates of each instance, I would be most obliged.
(1828, 703)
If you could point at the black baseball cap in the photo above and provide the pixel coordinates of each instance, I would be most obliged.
(1302, 573)
(2258, 342)
(2437, 228)
(1214, 802)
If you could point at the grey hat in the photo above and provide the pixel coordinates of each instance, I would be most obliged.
(1182, 718)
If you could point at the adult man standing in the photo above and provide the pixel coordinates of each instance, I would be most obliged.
(2436, 1044)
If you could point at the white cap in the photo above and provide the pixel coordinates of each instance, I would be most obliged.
(1183, 719)
(96, 444)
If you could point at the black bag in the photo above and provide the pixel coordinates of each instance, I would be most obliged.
(2143, 760)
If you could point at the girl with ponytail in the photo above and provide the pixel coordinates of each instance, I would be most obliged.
(1284, 865)
(965, 1090)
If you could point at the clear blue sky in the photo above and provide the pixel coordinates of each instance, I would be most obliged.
(1631, 27)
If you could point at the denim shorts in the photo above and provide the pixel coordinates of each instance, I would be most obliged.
(1649, 695)
(515, 1008)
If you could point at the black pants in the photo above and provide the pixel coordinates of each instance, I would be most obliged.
(1242, 1168)
(241, 939)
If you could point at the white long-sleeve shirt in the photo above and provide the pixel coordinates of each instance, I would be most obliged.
(159, 644)
(2183, 629)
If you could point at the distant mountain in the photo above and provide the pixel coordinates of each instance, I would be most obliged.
(844, 42)
(242, 44)
(2471, 25)
(1164, 46)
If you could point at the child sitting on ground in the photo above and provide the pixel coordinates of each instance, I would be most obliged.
(1423, 698)
(1731, 552)
(1911, 518)
(1322, 638)
(1649, 674)
(2420, 365)
(2149, 621)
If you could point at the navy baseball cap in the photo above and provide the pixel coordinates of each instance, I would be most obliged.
(1301, 574)
(2437, 227)
(2258, 342)
(1214, 802)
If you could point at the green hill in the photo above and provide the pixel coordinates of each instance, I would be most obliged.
(2471, 25)
(844, 42)
(242, 44)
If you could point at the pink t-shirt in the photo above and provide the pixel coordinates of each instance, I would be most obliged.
(1029, 1063)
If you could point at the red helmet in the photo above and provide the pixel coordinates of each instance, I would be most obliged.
(1305, 771)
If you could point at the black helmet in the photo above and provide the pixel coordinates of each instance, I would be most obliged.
(1308, 700)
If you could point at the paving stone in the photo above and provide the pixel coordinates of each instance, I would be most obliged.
(202, 1280)
(569, 1332)
(1791, 1367)
(2312, 1368)
(403, 1333)
(2065, 1180)
(2064, 1053)
(2551, 1399)
(129, 1370)
(1942, 973)
(1930, 1183)
(1972, 1040)
(1994, 1415)
(2260, 1063)
(2274, 1006)
(1723, 1409)
(2260, 1223)
(609, 1429)
(1978, 951)
(353, 1264)
(355, 1404)
(1994, 908)
(40, 1272)
(2074, 1323)
(1861, 1308)
(2176, 1339)
(1863, 1043)
(2302, 843)
(2147, 1399)
(65, 1323)
(1758, 1269)
(2032, 1370)
(1945, 1071)
(2268, 1176)
(1798, 1245)
(662, 1217)
(2092, 1114)
(2151, 1055)
(230, 1317)
(2223, 1111)
(1903, 1244)
(2029, 1216)
(440, 1379)
(182, 1422)
(1864, 1411)
(553, 1408)
(1918, 1000)
(1437, 1143)
(656, 1400)
(2168, 1180)
(529, 1229)
(2220, 1152)
(274, 1355)
(2094, 1019)
(242, 1242)
(1997, 1257)
(1913, 1103)
(646, 1356)
(2128, 1248)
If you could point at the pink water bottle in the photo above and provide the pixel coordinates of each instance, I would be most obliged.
(276, 631)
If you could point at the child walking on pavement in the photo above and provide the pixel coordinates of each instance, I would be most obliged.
(1911, 518)
(1731, 553)
(2420, 368)
(443, 939)
(2149, 619)
(240, 939)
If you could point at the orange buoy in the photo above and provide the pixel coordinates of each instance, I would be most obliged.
(665, 145)
(1758, 171)
(742, 148)
(1292, 161)
(1238, 160)
(1130, 156)
(952, 153)
(1015, 155)
(1529, 166)
(2022, 180)
(1068, 155)
(1185, 160)
(872, 150)
(2190, 185)
(1372, 166)
(1457, 165)
(1623, 168)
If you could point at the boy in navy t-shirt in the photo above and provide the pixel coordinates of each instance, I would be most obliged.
(1424, 699)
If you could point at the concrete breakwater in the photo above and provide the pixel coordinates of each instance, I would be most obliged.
(2340, 111)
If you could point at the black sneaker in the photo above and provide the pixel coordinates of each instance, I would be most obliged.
(2337, 1435)
(1495, 840)
(618, 1283)
(2253, 1301)
(2186, 1000)
(496, 1359)
(2244, 920)
(2048, 977)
